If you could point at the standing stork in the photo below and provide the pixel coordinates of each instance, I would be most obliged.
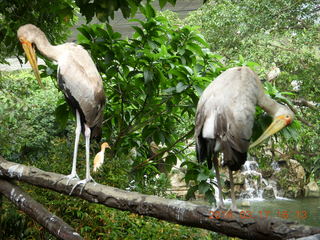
(80, 82)
(224, 120)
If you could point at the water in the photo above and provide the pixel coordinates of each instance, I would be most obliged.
(304, 210)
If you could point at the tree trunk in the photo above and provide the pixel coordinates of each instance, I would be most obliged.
(38, 212)
(242, 225)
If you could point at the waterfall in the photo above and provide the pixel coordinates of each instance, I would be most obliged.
(255, 186)
(253, 181)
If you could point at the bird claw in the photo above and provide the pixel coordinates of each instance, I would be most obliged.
(69, 178)
(82, 182)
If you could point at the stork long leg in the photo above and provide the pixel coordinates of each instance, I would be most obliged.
(88, 178)
(233, 199)
(73, 174)
(216, 168)
(87, 133)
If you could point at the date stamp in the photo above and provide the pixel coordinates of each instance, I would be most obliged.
(247, 214)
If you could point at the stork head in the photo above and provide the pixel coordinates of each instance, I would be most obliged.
(283, 117)
(27, 35)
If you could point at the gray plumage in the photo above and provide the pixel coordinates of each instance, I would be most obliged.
(80, 82)
(225, 117)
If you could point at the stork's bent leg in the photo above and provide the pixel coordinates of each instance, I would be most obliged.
(233, 199)
(216, 168)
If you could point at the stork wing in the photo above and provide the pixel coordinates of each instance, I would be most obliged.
(225, 115)
(81, 83)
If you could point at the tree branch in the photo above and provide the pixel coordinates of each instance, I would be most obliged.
(37, 211)
(303, 102)
(181, 212)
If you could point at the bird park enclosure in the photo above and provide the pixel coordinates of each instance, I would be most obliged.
(223, 221)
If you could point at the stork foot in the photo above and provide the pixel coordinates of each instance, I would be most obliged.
(83, 183)
(69, 178)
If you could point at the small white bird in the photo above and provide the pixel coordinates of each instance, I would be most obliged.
(273, 73)
(99, 158)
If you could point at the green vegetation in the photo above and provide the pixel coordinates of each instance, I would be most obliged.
(153, 81)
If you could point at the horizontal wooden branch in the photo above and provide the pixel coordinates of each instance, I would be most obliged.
(181, 212)
(37, 211)
(304, 103)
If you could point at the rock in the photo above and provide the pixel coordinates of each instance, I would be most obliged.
(267, 173)
(268, 193)
(297, 169)
(239, 178)
(178, 185)
(245, 203)
(290, 178)
(292, 192)
(312, 190)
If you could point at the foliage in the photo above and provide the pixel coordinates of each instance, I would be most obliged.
(23, 105)
(54, 16)
(104, 9)
(202, 179)
(231, 26)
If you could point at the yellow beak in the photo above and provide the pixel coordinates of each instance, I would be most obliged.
(277, 124)
(32, 57)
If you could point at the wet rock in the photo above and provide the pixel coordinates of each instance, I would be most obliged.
(268, 193)
(292, 192)
(245, 203)
(290, 178)
(312, 190)
(239, 178)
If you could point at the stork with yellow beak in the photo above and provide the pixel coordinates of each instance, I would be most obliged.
(80, 82)
(225, 117)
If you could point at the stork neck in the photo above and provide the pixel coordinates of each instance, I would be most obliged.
(268, 104)
(48, 50)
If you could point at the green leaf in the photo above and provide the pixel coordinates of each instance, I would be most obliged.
(181, 87)
(62, 114)
(149, 10)
(147, 75)
(138, 30)
(162, 3)
(195, 48)
(210, 196)
(202, 176)
(199, 38)
(190, 194)
(203, 187)
(191, 175)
